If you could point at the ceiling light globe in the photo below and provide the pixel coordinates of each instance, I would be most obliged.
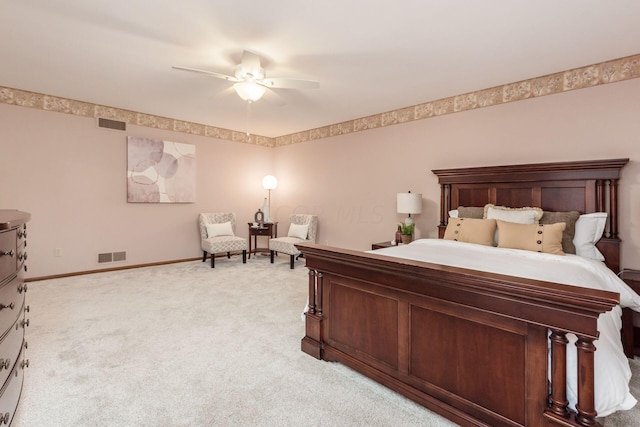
(249, 91)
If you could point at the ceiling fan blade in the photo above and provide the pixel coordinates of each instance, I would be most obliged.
(284, 83)
(211, 73)
(251, 62)
(222, 94)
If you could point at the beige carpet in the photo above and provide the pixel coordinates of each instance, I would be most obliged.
(185, 345)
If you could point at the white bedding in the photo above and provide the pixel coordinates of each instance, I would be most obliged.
(612, 372)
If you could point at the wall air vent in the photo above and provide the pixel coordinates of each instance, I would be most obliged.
(112, 256)
(111, 124)
(119, 256)
(106, 257)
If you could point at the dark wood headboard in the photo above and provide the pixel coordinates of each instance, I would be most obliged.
(583, 186)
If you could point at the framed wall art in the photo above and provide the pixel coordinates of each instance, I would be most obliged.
(160, 171)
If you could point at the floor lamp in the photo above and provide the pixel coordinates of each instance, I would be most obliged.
(269, 182)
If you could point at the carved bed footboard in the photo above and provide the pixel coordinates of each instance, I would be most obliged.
(471, 346)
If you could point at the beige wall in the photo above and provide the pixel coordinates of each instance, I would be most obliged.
(351, 180)
(71, 175)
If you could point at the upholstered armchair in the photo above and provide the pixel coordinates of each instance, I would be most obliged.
(217, 234)
(303, 229)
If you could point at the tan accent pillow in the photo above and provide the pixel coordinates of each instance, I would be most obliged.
(526, 215)
(568, 218)
(531, 237)
(471, 230)
(471, 212)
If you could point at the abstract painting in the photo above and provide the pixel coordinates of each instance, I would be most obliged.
(160, 171)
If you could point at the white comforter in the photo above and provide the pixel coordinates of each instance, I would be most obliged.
(612, 372)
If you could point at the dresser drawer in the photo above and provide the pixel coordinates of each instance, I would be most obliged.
(11, 301)
(10, 346)
(21, 257)
(22, 235)
(8, 255)
(10, 393)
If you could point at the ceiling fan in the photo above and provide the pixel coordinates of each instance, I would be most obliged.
(250, 79)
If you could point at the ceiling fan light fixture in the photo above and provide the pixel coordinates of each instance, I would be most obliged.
(249, 91)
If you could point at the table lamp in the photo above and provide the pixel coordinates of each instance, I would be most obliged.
(409, 203)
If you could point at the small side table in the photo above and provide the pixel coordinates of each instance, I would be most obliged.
(631, 334)
(381, 245)
(267, 229)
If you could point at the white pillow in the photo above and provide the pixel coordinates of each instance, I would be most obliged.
(299, 231)
(589, 229)
(220, 229)
(453, 213)
(517, 215)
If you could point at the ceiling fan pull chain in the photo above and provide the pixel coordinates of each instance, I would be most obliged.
(248, 120)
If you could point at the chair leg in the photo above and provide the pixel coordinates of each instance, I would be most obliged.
(244, 256)
(204, 256)
(272, 254)
(293, 258)
(213, 263)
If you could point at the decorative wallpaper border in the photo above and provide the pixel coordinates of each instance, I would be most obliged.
(578, 78)
(25, 98)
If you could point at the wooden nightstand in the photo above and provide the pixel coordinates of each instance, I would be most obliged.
(631, 334)
(267, 229)
(381, 245)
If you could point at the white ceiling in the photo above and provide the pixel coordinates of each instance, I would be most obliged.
(369, 56)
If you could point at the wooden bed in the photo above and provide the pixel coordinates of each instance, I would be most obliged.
(469, 345)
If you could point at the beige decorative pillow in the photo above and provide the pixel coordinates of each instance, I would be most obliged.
(526, 215)
(471, 230)
(568, 218)
(531, 237)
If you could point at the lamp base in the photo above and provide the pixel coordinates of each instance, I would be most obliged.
(408, 220)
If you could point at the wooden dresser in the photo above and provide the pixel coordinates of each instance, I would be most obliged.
(13, 256)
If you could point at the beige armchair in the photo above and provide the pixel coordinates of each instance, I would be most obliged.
(217, 234)
(303, 229)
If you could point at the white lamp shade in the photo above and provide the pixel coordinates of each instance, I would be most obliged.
(269, 182)
(409, 203)
(249, 91)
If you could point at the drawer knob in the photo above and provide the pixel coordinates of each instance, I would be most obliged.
(4, 418)
(7, 253)
(22, 256)
(5, 363)
(10, 306)
(25, 323)
(27, 309)
(24, 363)
(22, 287)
